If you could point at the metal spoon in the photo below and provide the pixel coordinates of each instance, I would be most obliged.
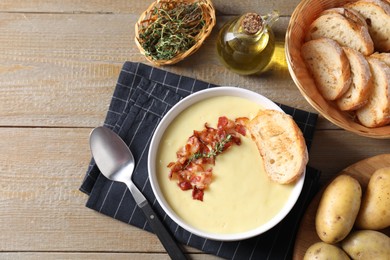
(116, 162)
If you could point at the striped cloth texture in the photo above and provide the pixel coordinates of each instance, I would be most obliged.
(142, 96)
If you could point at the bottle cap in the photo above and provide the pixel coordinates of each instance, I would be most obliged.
(252, 23)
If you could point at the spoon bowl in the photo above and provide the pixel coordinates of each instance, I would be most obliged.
(113, 157)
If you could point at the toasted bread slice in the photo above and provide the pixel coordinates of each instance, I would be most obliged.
(377, 110)
(329, 66)
(383, 56)
(281, 145)
(377, 15)
(345, 26)
(361, 86)
(356, 18)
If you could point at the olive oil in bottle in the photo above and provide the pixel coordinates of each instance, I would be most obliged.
(246, 44)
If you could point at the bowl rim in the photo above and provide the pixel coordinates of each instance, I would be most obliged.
(152, 154)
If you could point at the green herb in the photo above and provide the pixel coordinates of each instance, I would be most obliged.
(219, 146)
(173, 30)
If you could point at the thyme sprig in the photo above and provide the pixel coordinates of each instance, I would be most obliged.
(173, 29)
(219, 147)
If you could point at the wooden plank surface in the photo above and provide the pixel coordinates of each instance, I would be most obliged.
(334, 150)
(70, 70)
(40, 202)
(136, 7)
(96, 256)
(41, 208)
(59, 64)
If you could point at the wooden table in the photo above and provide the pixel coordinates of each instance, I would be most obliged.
(59, 64)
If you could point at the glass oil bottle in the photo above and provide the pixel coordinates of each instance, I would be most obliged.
(246, 44)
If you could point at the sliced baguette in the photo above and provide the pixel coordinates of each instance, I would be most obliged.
(383, 56)
(377, 110)
(361, 86)
(377, 15)
(329, 66)
(345, 26)
(354, 16)
(281, 145)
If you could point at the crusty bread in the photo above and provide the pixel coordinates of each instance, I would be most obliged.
(383, 56)
(281, 145)
(329, 66)
(356, 18)
(377, 15)
(377, 110)
(358, 93)
(345, 26)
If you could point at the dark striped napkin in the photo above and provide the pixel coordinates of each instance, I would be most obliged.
(141, 98)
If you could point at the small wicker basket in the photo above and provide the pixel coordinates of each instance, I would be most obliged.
(303, 15)
(145, 20)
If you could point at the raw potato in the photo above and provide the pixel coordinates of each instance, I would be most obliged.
(338, 209)
(375, 209)
(367, 244)
(322, 251)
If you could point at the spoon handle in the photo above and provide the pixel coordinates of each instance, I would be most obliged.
(166, 239)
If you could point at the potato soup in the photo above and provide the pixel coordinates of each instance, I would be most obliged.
(240, 196)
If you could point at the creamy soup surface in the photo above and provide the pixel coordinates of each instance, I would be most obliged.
(240, 196)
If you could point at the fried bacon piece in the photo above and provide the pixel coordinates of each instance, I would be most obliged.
(193, 168)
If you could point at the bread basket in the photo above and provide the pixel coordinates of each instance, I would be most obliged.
(147, 17)
(302, 17)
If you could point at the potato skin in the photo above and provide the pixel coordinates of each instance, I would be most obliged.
(367, 244)
(375, 208)
(338, 209)
(322, 251)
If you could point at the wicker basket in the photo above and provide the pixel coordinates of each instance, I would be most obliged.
(208, 16)
(302, 17)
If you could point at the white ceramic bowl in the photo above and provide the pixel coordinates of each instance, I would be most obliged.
(169, 117)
